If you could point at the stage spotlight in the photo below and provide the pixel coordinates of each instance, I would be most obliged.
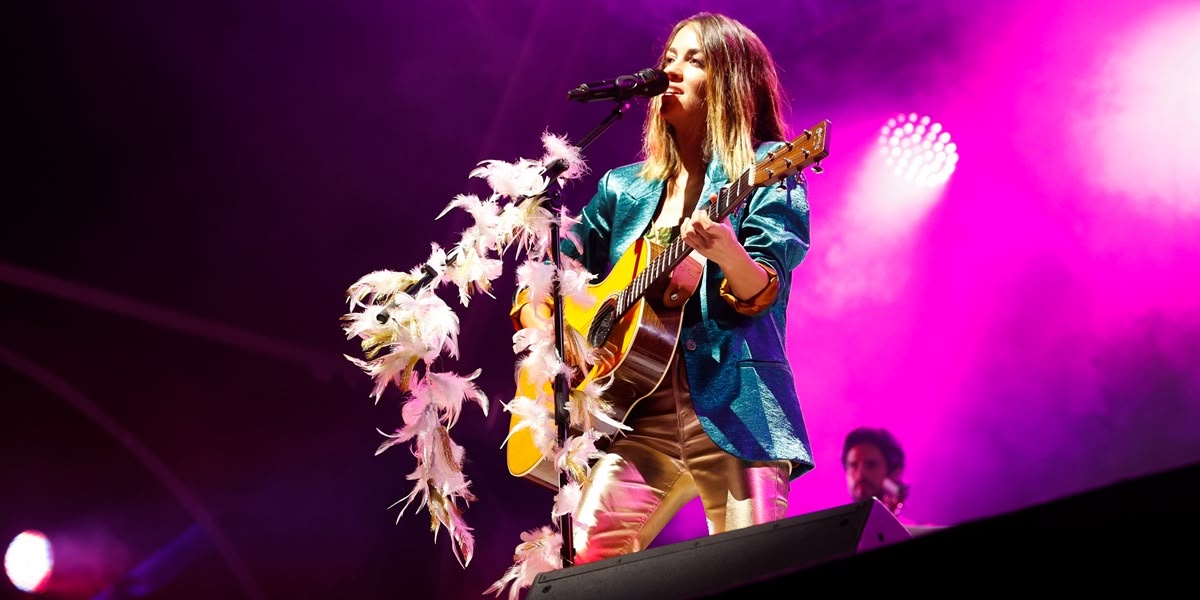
(29, 561)
(918, 149)
(65, 564)
(94, 565)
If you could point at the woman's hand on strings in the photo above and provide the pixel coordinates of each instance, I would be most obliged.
(715, 240)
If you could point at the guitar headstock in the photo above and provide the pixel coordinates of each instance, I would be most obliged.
(807, 149)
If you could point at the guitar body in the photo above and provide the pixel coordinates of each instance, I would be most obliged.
(641, 342)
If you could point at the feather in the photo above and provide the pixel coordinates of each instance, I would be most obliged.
(541, 364)
(538, 277)
(591, 407)
(512, 180)
(566, 225)
(439, 485)
(576, 455)
(473, 272)
(480, 210)
(540, 551)
(567, 500)
(557, 148)
(392, 440)
(368, 325)
(430, 325)
(575, 281)
(528, 225)
(390, 368)
(436, 260)
(381, 284)
(448, 390)
(537, 338)
(537, 416)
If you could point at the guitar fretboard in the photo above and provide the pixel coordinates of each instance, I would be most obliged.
(728, 198)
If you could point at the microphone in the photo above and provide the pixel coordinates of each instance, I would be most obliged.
(895, 493)
(647, 82)
(899, 490)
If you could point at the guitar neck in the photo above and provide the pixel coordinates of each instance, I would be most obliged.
(808, 149)
(728, 199)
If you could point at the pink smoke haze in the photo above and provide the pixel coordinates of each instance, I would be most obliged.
(1030, 329)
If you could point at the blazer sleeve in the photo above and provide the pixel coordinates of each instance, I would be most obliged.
(775, 227)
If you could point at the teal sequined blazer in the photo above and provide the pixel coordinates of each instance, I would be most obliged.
(737, 366)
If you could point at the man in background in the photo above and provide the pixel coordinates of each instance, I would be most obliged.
(874, 465)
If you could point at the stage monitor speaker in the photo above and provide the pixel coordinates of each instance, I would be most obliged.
(1136, 534)
(713, 564)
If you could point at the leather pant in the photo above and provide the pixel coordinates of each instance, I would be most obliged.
(650, 473)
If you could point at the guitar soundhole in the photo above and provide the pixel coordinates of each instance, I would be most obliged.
(602, 325)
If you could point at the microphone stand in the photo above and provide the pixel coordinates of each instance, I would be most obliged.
(553, 194)
(562, 419)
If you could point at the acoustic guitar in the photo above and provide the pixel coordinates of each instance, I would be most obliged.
(631, 320)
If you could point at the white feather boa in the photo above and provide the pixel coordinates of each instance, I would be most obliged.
(403, 330)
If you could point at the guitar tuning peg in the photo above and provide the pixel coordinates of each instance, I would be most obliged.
(818, 169)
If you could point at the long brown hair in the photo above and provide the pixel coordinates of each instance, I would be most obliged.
(744, 99)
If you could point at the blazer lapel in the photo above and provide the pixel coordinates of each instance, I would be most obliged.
(635, 209)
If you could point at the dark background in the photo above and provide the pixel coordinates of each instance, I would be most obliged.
(192, 187)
